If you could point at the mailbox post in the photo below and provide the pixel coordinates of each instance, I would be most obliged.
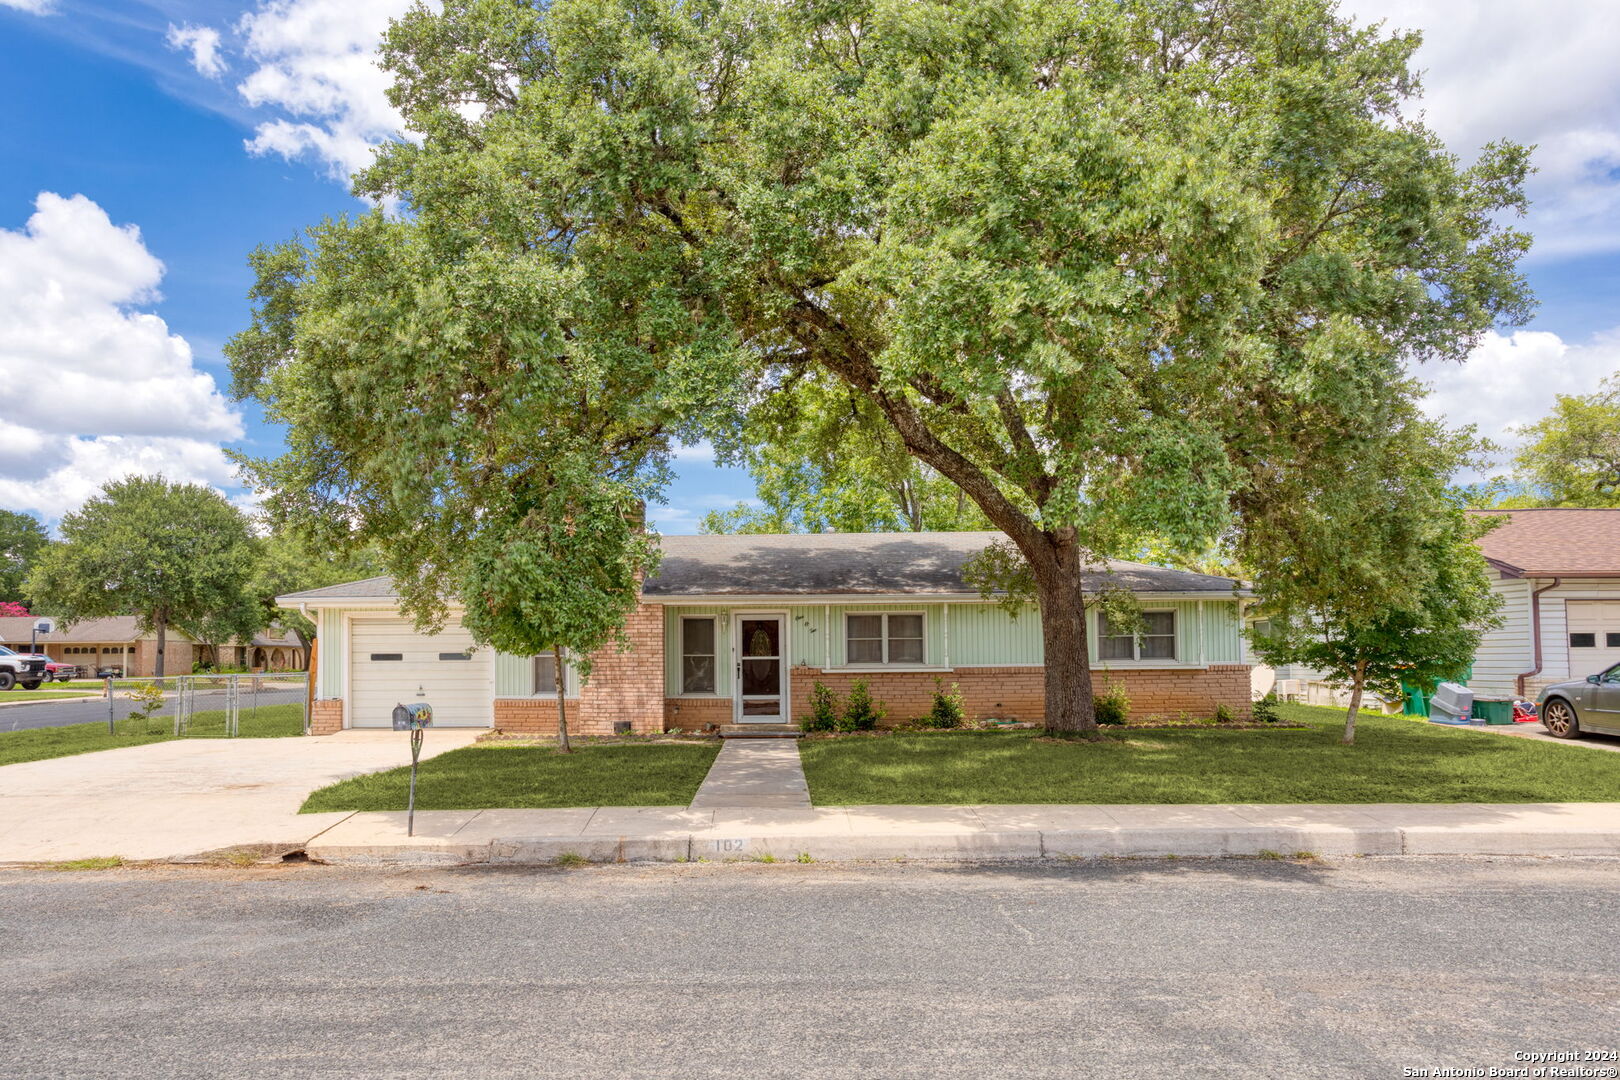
(415, 719)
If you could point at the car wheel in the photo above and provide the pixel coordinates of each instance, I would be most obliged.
(1558, 717)
(7, 680)
(30, 685)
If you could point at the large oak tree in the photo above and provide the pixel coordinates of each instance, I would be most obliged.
(1121, 271)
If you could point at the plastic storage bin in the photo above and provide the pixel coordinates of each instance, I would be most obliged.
(1494, 712)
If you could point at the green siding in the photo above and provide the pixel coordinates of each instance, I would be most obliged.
(329, 673)
(984, 635)
(514, 676)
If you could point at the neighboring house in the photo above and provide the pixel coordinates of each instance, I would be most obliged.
(1558, 573)
(737, 629)
(116, 642)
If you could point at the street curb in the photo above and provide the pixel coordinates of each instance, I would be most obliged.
(1021, 845)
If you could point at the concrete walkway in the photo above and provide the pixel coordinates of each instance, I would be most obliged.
(755, 773)
(970, 832)
(181, 798)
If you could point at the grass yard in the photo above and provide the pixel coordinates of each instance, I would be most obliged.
(37, 744)
(1394, 760)
(533, 777)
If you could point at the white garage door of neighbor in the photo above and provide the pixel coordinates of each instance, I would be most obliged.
(1594, 636)
(390, 663)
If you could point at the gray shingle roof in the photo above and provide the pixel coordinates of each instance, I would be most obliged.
(371, 588)
(817, 564)
(112, 629)
(828, 564)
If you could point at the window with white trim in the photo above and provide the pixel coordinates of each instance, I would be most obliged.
(889, 638)
(1157, 641)
(699, 656)
(545, 675)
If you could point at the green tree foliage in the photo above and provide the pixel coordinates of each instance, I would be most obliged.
(1571, 457)
(824, 460)
(1390, 585)
(287, 564)
(1118, 270)
(174, 555)
(22, 538)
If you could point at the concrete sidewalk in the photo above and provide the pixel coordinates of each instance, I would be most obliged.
(969, 832)
(755, 773)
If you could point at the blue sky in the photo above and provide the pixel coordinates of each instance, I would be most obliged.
(149, 146)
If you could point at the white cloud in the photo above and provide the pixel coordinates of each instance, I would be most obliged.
(1509, 382)
(317, 66)
(1534, 71)
(94, 389)
(32, 7)
(203, 44)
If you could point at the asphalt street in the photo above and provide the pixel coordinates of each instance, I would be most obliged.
(1150, 968)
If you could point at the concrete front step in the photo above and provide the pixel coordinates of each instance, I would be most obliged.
(760, 731)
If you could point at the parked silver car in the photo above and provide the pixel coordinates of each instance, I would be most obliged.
(1589, 705)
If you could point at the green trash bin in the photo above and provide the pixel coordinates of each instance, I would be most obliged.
(1494, 712)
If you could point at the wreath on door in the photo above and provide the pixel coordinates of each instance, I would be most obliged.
(760, 644)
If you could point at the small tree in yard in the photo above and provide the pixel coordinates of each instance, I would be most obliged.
(174, 555)
(1115, 269)
(1399, 592)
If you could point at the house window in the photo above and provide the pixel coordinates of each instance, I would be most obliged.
(1157, 640)
(545, 676)
(1583, 641)
(698, 655)
(884, 639)
(1611, 641)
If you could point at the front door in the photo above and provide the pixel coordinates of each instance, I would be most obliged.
(760, 670)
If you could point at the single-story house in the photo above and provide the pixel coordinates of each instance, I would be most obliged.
(737, 629)
(1558, 574)
(116, 642)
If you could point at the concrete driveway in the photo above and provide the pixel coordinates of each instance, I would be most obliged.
(181, 798)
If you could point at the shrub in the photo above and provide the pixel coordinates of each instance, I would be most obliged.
(148, 698)
(948, 710)
(823, 710)
(862, 713)
(1114, 706)
(1223, 715)
(1265, 710)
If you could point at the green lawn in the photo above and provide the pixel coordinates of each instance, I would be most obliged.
(37, 744)
(1394, 760)
(533, 777)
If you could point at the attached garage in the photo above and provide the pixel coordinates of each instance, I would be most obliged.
(391, 663)
(1594, 636)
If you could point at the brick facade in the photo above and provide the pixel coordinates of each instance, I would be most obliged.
(1018, 693)
(326, 716)
(627, 685)
(695, 713)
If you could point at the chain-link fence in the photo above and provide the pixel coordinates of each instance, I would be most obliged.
(210, 706)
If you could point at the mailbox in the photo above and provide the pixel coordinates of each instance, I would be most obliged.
(413, 717)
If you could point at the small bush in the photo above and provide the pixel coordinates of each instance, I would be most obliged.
(1265, 710)
(862, 713)
(948, 710)
(823, 710)
(1114, 706)
(1223, 715)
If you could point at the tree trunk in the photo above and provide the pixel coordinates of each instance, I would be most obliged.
(161, 623)
(1058, 586)
(562, 707)
(1355, 703)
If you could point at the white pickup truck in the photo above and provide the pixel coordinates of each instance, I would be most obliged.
(24, 669)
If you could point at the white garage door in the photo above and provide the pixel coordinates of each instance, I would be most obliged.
(390, 663)
(1594, 636)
